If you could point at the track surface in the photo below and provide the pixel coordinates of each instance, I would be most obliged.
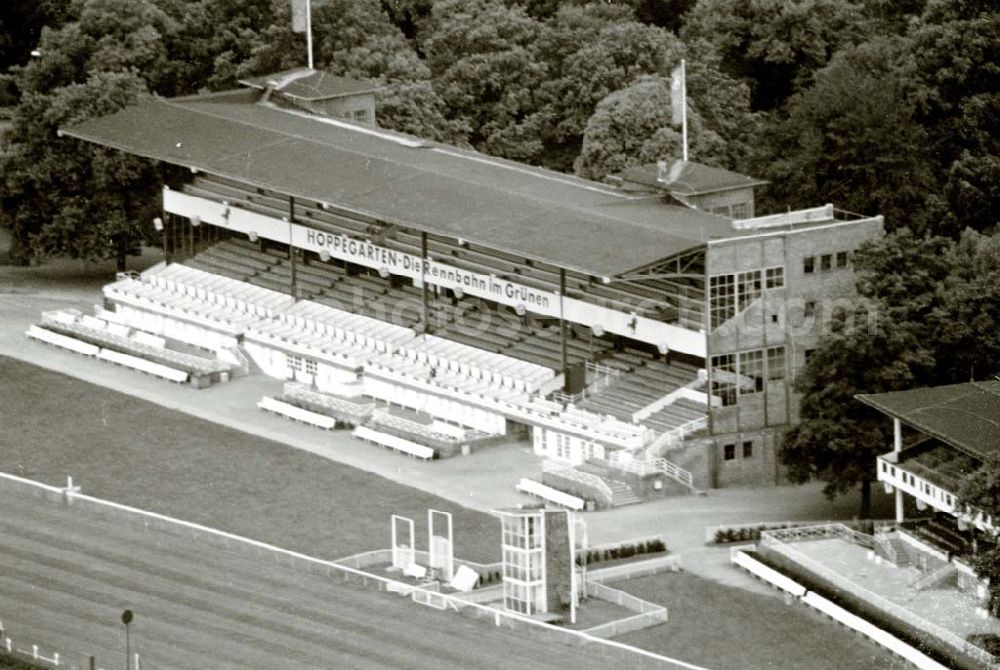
(68, 571)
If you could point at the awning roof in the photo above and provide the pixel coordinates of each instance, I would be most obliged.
(966, 416)
(539, 214)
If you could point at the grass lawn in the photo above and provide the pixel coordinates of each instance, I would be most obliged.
(131, 451)
(723, 627)
(14, 663)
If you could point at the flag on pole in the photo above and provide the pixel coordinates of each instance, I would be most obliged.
(299, 12)
(677, 95)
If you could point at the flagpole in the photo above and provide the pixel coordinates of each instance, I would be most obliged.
(309, 34)
(684, 109)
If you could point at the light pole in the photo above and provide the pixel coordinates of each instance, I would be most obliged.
(127, 619)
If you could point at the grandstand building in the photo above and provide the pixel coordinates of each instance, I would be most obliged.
(652, 328)
(940, 435)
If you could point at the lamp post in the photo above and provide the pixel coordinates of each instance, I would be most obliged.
(127, 619)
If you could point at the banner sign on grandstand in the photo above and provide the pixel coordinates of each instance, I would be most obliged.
(400, 263)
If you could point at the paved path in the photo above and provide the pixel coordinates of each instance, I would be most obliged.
(483, 481)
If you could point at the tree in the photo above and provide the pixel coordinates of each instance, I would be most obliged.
(414, 108)
(838, 438)
(775, 45)
(67, 198)
(851, 139)
(979, 493)
(61, 197)
(953, 71)
(482, 59)
(634, 126)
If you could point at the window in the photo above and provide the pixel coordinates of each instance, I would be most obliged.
(740, 210)
(775, 277)
(751, 372)
(748, 449)
(809, 265)
(295, 362)
(774, 318)
(724, 378)
(826, 262)
(360, 115)
(776, 363)
(841, 259)
(311, 366)
(810, 308)
(721, 299)
(747, 289)
(729, 452)
(809, 354)
(723, 211)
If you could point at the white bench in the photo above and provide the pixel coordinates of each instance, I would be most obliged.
(532, 487)
(394, 442)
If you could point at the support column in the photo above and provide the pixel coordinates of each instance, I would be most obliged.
(897, 447)
(562, 320)
(424, 310)
(291, 248)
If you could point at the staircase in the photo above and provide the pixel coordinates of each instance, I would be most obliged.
(894, 549)
(622, 494)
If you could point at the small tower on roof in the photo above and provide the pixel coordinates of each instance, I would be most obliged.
(321, 93)
(703, 187)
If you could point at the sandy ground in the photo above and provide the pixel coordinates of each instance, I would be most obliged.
(483, 481)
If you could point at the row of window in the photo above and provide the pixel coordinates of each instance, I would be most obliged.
(826, 262)
(740, 210)
(522, 565)
(923, 486)
(729, 451)
(730, 294)
(744, 373)
(302, 364)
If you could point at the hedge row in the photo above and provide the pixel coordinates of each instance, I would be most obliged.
(752, 533)
(628, 550)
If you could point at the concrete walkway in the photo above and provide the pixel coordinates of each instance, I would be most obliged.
(483, 481)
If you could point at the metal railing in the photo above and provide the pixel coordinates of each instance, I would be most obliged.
(145, 520)
(584, 478)
(626, 462)
(780, 542)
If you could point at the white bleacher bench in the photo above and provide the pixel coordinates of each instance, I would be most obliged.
(540, 490)
(143, 365)
(63, 341)
(292, 412)
(394, 442)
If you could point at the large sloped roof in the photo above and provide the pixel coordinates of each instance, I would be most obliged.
(966, 416)
(539, 214)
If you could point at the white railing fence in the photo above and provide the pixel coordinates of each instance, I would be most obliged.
(627, 462)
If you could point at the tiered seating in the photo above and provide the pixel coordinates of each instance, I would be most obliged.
(115, 338)
(396, 365)
(235, 258)
(219, 290)
(675, 415)
(646, 383)
(144, 296)
(503, 371)
(330, 334)
(941, 533)
(348, 410)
